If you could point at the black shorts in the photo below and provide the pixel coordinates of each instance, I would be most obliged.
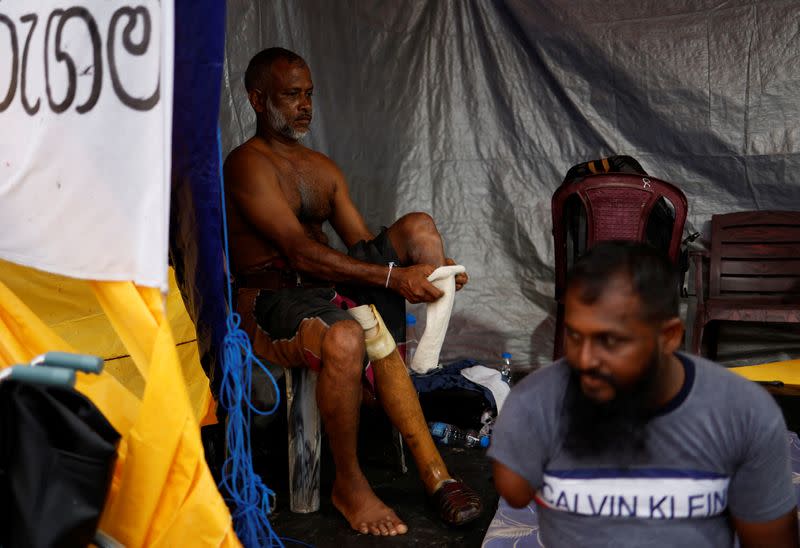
(295, 319)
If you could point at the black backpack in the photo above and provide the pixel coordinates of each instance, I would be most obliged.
(658, 232)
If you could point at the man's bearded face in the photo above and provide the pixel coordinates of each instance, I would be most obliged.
(286, 99)
(617, 426)
(615, 360)
(279, 123)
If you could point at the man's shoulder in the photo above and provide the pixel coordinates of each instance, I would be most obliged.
(715, 374)
(321, 160)
(539, 393)
(261, 153)
(249, 154)
(729, 388)
(547, 380)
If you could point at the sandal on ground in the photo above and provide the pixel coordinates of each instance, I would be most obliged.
(457, 503)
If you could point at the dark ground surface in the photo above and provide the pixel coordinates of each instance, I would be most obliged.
(381, 464)
(402, 492)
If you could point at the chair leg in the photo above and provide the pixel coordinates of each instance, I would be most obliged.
(304, 440)
(697, 336)
(558, 342)
(713, 339)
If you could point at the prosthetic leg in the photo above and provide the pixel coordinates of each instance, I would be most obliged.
(455, 501)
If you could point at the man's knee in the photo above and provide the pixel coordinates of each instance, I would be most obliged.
(343, 347)
(418, 224)
(416, 239)
(419, 233)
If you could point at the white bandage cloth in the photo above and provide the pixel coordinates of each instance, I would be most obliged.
(437, 317)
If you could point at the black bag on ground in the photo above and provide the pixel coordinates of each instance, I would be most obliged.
(57, 454)
(447, 396)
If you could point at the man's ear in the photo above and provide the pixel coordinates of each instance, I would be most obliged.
(256, 100)
(671, 335)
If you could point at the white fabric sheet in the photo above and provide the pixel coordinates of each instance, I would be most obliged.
(86, 118)
(491, 379)
(426, 357)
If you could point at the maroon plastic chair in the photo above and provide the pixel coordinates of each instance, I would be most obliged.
(754, 273)
(617, 206)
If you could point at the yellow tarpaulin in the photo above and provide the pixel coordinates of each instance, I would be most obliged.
(786, 372)
(162, 493)
(69, 307)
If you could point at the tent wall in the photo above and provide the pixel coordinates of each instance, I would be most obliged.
(474, 110)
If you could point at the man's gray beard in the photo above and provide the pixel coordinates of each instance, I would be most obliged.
(277, 121)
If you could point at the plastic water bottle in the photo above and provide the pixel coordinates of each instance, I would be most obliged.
(447, 434)
(411, 337)
(487, 420)
(505, 367)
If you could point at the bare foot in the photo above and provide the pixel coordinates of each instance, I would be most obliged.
(365, 512)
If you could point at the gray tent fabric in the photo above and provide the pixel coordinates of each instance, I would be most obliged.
(473, 111)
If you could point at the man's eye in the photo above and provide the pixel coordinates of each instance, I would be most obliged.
(609, 341)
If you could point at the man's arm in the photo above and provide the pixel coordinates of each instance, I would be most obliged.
(511, 486)
(521, 438)
(255, 189)
(761, 496)
(350, 226)
(345, 219)
(777, 533)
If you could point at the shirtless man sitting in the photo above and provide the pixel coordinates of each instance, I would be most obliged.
(280, 194)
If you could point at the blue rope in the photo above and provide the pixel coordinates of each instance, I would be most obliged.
(253, 500)
(295, 541)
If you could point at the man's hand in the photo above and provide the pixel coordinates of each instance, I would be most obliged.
(412, 283)
(461, 279)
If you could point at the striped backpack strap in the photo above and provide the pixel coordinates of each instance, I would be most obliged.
(615, 164)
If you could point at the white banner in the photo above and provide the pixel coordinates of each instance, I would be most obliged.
(85, 137)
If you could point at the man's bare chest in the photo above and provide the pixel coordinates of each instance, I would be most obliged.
(308, 191)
